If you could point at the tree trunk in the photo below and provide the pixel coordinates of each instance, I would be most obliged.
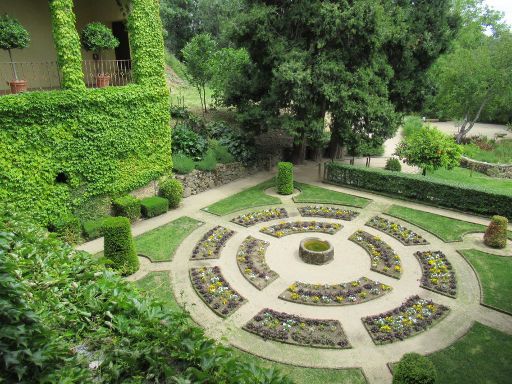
(463, 131)
(13, 66)
(424, 173)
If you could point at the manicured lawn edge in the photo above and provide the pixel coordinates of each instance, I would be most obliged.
(297, 200)
(461, 238)
(236, 347)
(480, 286)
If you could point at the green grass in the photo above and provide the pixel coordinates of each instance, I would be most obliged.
(318, 195)
(483, 356)
(500, 153)
(161, 243)
(177, 66)
(445, 228)
(157, 285)
(248, 198)
(462, 175)
(495, 274)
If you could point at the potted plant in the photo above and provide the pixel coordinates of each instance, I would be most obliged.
(97, 37)
(12, 36)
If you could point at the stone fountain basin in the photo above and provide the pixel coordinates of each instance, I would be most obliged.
(316, 251)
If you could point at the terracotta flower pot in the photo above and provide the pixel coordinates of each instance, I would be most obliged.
(17, 86)
(102, 81)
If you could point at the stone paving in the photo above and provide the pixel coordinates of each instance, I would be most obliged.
(350, 263)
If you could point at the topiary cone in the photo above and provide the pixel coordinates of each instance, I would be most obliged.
(119, 245)
(496, 234)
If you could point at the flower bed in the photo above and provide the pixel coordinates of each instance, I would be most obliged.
(251, 261)
(327, 212)
(256, 217)
(384, 259)
(291, 329)
(210, 245)
(354, 292)
(437, 273)
(399, 232)
(412, 317)
(217, 294)
(285, 229)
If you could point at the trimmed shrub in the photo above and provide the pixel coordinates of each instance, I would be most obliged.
(67, 228)
(182, 164)
(154, 206)
(414, 369)
(448, 194)
(126, 206)
(208, 163)
(393, 164)
(119, 245)
(92, 229)
(172, 190)
(496, 234)
(284, 178)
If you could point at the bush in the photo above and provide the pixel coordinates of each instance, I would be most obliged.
(188, 142)
(284, 178)
(172, 190)
(393, 164)
(448, 194)
(154, 206)
(67, 228)
(92, 229)
(126, 206)
(222, 154)
(496, 234)
(119, 245)
(12, 34)
(412, 124)
(97, 37)
(414, 369)
(237, 143)
(208, 163)
(182, 164)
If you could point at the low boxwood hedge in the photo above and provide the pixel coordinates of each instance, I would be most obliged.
(92, 229)
(458, 196)
(172, 190)
(119, 245)
(126, 206)
(154, 206)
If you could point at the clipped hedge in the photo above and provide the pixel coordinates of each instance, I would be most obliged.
(284, 178)
(126, 206)
(92, 229)
(458, 196)
(154, 206)
(67, 228)
(119, 245)
(172, 190)
(496, 234)
(414, 369)
(393, 164)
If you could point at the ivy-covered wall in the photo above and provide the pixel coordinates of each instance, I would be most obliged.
(58, 149)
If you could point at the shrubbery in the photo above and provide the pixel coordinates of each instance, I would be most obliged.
(182, 164)
(412, 124)
(154, 206)
(127, 206)
(208, 163)
(67, 228)
(414, 369)
(496, 234)
(119, 245)
(393, 164)
(221, 153)
(188, 142)
(172, 190)
(284, 178)
(92, 229)
(432, 191)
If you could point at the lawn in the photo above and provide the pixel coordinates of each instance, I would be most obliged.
(445, 228)
(318, 195)
(248, 198)
(161, 243)
(484, 355)
(495, 274)
(157, 285)
(462, 175)
(499, 152)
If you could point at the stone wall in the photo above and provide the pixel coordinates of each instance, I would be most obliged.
(200, 181)
(493, 170)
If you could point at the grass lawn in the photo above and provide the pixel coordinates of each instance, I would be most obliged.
(501, 152)
(158, 286)
(248, 198)
(495, 274)
(462, 175)
(445, 228)
(161, 243)
(483, 356)
(318, 195)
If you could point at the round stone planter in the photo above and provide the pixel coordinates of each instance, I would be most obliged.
(316, 257)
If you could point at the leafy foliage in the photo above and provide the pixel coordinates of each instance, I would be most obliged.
(468, 198)
(393, 164)
(119, 245)
(188, 142)
(92, 229)
(414, 369)
(172, 190)
(221, 153)
(67, 228)
(412, 124)
(126, 206)
(430, 149)
(154, 206)
(496, 234)
(209, 161)
(96, 37)
(182, 164)
(284, 182)
(12, 34)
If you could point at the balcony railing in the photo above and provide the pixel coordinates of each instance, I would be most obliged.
(46, 75)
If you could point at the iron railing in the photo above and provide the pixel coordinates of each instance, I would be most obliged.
(46, 75)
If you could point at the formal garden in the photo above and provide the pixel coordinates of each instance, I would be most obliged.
(266, 192)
